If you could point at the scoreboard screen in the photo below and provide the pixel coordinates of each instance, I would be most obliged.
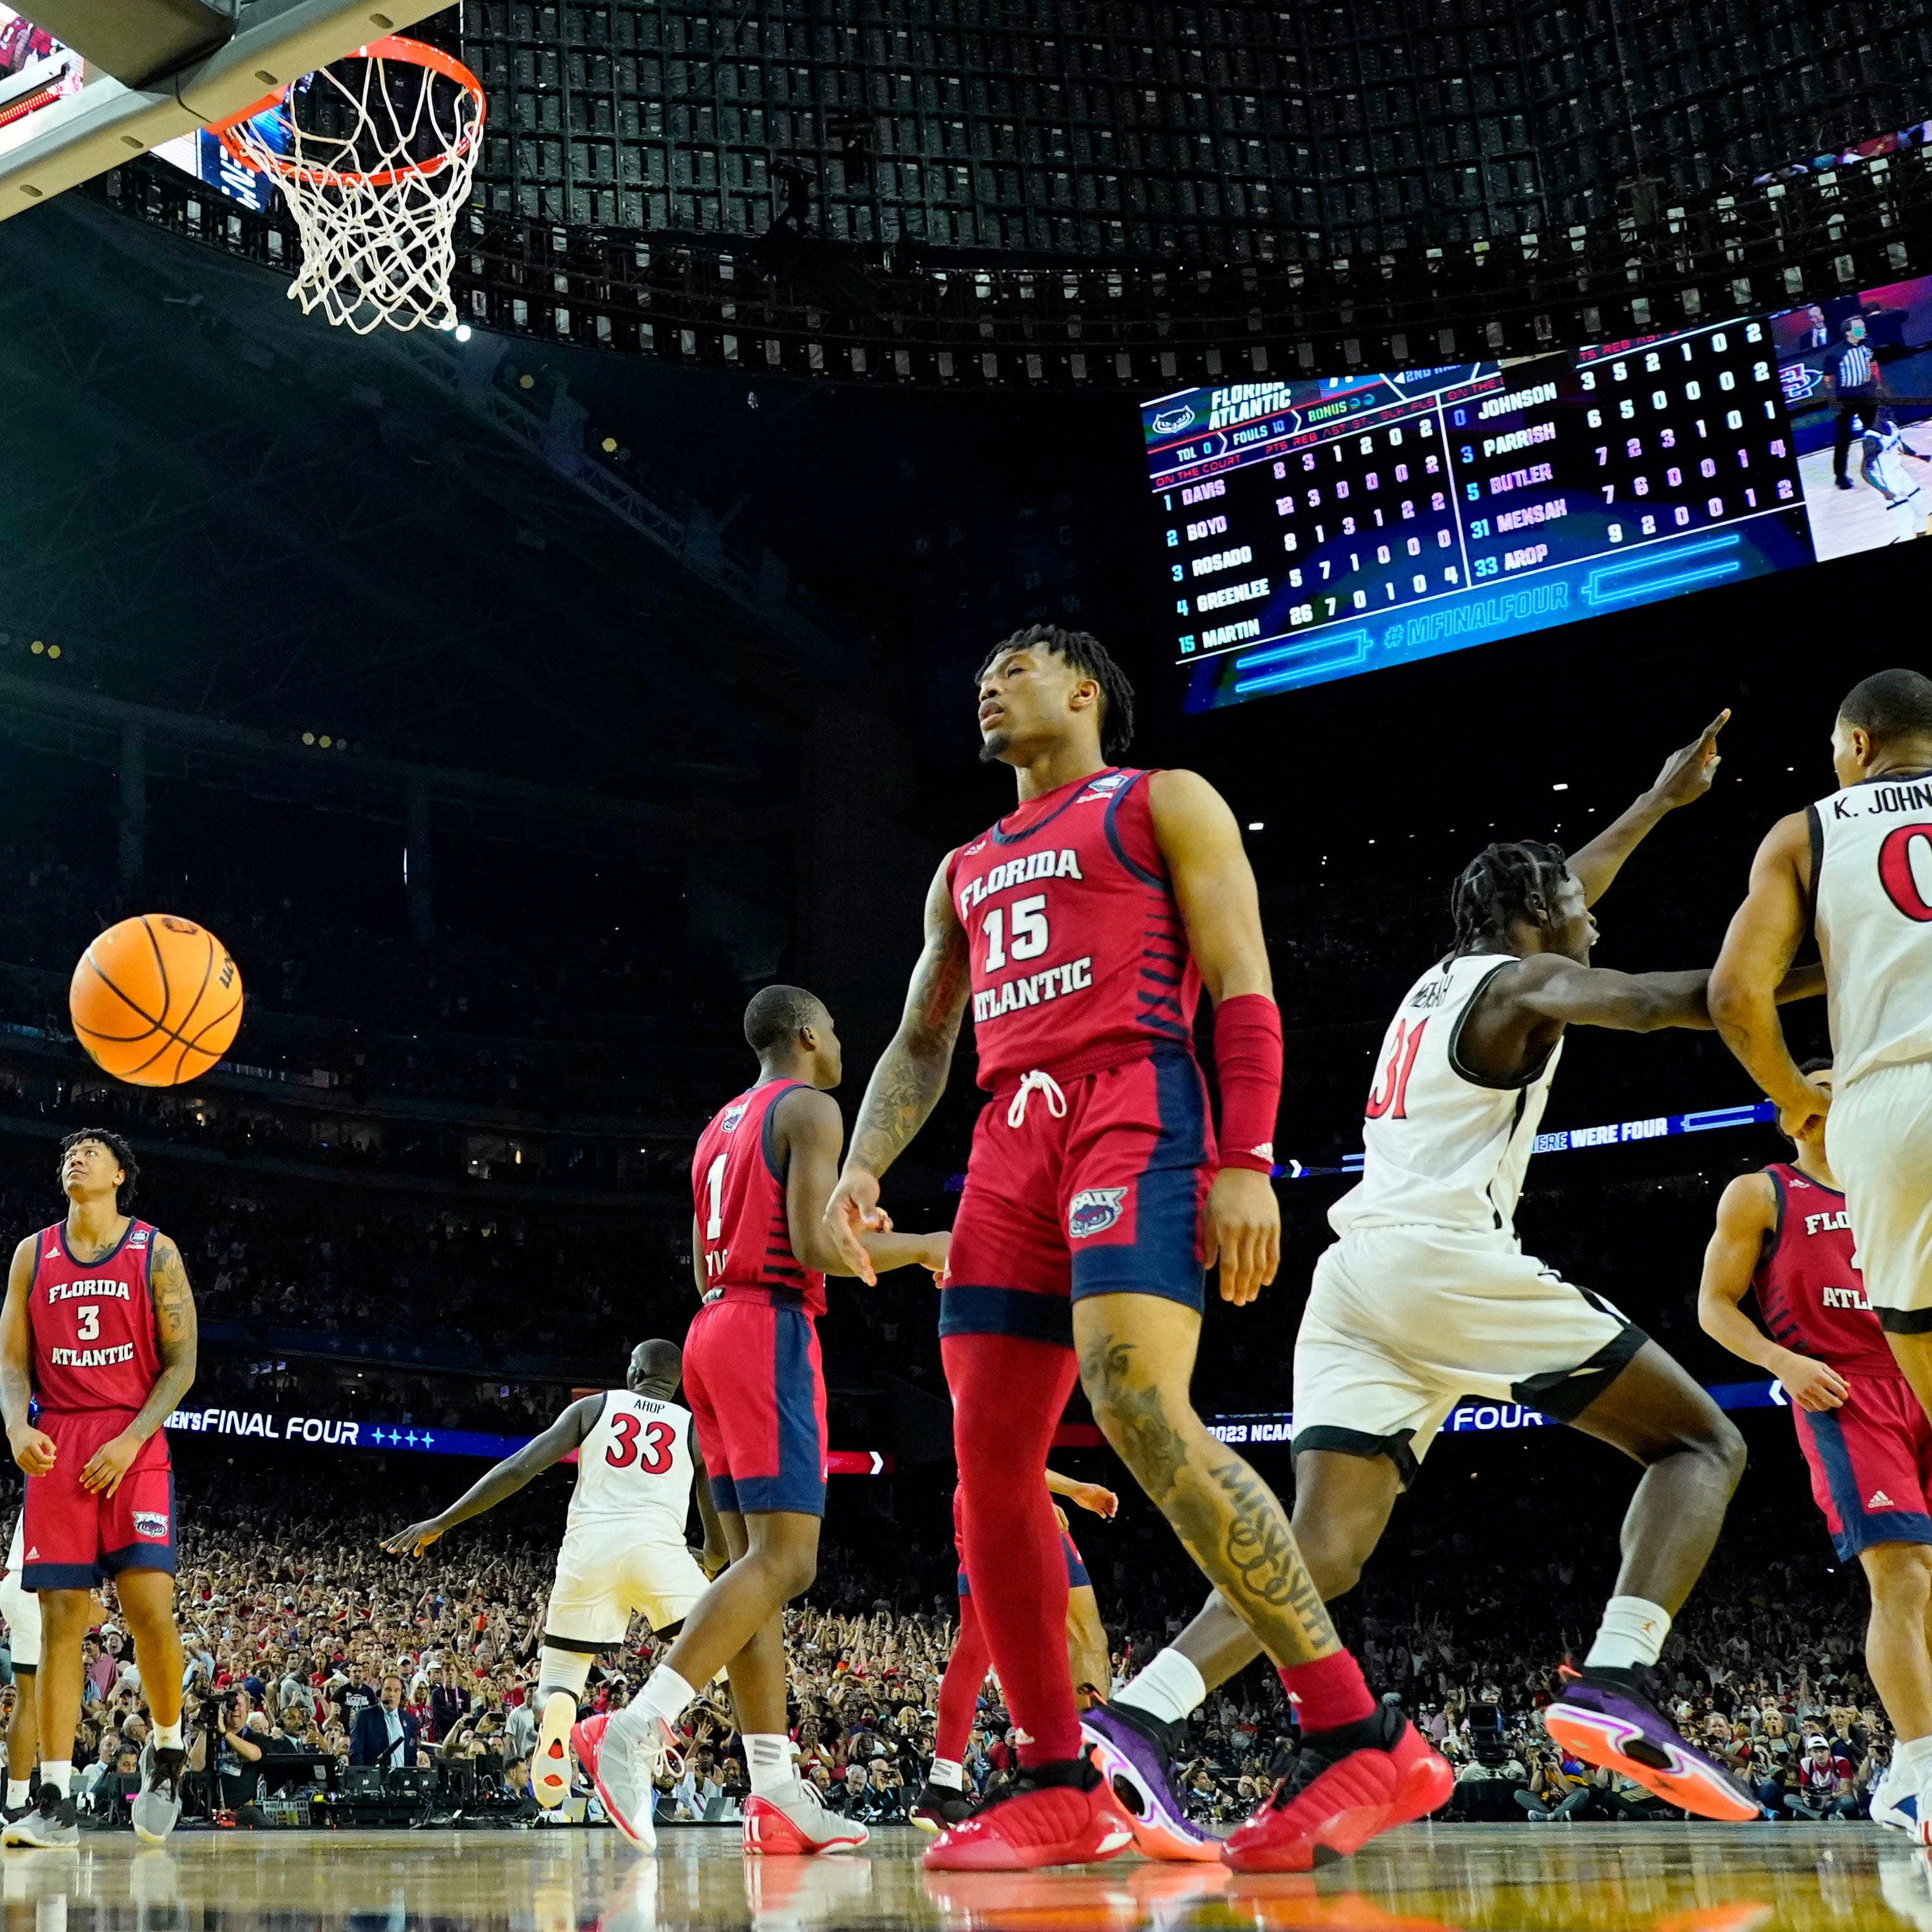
(1309, 531)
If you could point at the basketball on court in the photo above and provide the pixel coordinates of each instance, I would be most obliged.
(155, 1000)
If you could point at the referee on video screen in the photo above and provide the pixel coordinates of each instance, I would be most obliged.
(1852, 370)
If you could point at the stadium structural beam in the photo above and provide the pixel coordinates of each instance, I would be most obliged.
(133, 737)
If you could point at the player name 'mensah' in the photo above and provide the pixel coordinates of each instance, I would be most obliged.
(1031, 989)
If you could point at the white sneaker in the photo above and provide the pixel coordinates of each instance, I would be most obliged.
(550, 1763)
(798, 1823)
(633, 1749)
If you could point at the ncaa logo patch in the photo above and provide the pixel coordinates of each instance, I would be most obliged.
(1105, 786)
(732, 1115)
(1094, 1209)
(151, 1522)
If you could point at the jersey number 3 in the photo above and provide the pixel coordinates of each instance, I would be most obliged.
(1391, 1096)
(652, 1456)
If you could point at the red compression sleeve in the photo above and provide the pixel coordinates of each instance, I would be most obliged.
(1247, 1062)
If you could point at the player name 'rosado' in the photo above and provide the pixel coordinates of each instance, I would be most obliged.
(88, 1291)
(1031, 989)
(1062, 864)
(93, 1358)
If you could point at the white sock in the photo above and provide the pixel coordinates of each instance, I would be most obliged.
(1169, 1688)
(563, 1670)
(59, 1773)
(19, 1792)
(1911, 1760)
(665, 1695)
(1631, 1633)
(168, 1737)
(948, 1773)
(768, 1763)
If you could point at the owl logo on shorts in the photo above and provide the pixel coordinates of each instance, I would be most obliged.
(150, 1523)
(1094, 1209)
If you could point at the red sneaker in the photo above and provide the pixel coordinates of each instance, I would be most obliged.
(1058, 1814)
(1336, 1799)
(586, 1737)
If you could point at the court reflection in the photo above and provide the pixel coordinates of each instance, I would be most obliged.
(1849, 1878)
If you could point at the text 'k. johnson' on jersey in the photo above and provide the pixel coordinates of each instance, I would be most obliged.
(738, 1194)
(93, 1324)
(1808, 1284)
(1442, 1147)
(1079, 958)
(1871, 890)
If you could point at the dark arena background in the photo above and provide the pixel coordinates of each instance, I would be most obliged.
(1440, 409)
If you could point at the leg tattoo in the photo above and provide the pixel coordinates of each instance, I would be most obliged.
(1229, 1519)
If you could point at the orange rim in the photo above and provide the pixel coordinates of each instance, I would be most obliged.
(391, 46)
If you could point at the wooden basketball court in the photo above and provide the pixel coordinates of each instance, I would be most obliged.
(1511, 1878)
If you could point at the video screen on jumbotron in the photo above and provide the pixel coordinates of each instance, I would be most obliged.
(1309, 531)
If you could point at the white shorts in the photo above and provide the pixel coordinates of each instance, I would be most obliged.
(1878, 1137)
(20, 1606)
(1403, 1322)
(21, 1609)
(602, 1582)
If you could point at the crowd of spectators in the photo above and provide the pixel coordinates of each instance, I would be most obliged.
(302, 1636)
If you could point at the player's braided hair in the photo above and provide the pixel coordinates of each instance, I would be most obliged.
(1496, 885)
(1088, 655)
(124, 1158)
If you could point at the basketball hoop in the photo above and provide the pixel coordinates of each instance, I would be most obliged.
(374, 156)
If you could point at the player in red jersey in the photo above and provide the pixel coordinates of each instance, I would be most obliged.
(98, 1330)
(944, 1801)
(1082, 928)
(1784, 1234)
(752, 1377)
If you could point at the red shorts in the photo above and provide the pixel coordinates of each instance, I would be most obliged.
(1104, 1198)
(72, 1539)
(755, 1386)
(1871, 1465)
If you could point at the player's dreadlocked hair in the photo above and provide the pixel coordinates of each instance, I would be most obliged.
(124, 1158)
(1089, 656)
(1495, 886)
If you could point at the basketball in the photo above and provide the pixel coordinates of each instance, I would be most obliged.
(155, 1000)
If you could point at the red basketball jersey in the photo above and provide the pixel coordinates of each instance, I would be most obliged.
(1078, 955)
(738, 1191)
(1808, 1289)
(93, 1324)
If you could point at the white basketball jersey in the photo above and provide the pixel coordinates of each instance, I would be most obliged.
(1871, 884)
(1442, 1147)
(634, 1470)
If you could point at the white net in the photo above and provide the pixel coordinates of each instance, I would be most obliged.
(374, 156)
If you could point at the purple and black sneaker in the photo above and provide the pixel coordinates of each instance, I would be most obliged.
(1604, 1722)
(1135, 1751)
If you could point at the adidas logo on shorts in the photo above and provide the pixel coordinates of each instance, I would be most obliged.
(1878, 1499)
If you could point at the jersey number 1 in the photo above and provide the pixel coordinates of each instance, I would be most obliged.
(1393, 1098)
(714, 1187)
(654, 1456)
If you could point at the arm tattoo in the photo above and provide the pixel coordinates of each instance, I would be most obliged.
(176, 1337)
(907, 1083)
